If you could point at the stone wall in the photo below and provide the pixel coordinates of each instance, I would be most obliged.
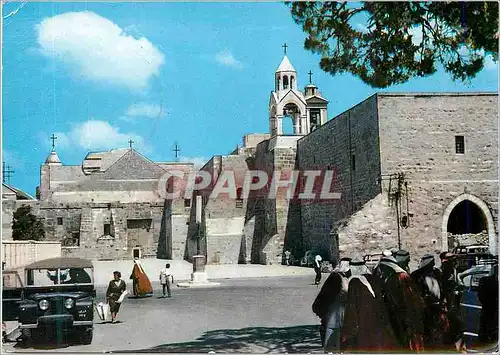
(223, 216)
(417, 138)
(348, 145)
(468, 239)
(8, 208)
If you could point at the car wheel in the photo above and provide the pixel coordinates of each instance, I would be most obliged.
(86, 335)
(26, 335)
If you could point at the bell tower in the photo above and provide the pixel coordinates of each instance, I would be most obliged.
(306, 110)
(316, 106)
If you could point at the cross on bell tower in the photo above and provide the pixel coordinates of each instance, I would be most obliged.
(53, 138)
(176, 151)
(310, 76)
(130, 142)
(284, 47)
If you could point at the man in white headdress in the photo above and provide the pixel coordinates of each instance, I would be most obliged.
(317, 268)
(404, 303)
(428, 280)
(329, 306)
(366, 327)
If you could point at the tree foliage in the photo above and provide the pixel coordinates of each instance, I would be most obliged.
(388, 43)
(26, 226)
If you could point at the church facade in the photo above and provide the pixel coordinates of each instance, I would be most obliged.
(417, 171)
(110, 207)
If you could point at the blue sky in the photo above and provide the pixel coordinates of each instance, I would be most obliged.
(98, 74)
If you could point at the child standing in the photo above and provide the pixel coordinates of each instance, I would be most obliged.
(166, 280)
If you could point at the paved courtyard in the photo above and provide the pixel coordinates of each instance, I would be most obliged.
(271, 314)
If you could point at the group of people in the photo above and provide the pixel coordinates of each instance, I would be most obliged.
(141, 286)
(390, 309)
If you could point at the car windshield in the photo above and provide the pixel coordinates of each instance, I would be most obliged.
(63, 276)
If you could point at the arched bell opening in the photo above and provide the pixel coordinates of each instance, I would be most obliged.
(291, 119)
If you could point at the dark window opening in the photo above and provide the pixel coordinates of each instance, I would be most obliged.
(59, 221)
(187, 202)
(76, 238)
(314, 118)
(460, 144)
(107, 229)
(467, 218)
(353, 162)
(72, 241)
(291, 82)
(285, 82)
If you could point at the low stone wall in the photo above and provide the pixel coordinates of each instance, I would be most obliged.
(468, 239)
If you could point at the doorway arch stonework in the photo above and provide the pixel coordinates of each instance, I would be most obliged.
(486, 212)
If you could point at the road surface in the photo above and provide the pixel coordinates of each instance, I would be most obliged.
(241, 315)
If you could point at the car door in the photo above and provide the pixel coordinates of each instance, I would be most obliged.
(471, 308)
(12, 293)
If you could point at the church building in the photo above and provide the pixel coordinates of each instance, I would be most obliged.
(414, 171)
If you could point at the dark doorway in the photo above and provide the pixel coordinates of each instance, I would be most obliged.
(467, 218)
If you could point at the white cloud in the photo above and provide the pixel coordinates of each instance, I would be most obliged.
(226, 58)
(146, 110)
(94, 135)
(197, 161)
(97, 49)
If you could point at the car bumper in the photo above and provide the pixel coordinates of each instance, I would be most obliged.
(54, 322)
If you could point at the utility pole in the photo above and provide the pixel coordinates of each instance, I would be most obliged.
(397, 196)
(6, 172)
(198, 223)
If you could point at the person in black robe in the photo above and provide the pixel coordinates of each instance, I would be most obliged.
(427, 278)
(366, 327)
(488, 296)
(403, 259)
(403, 302)
(115, 289)
(452, 296)
(330, 300)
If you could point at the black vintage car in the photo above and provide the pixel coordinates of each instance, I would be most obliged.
(58, 298)
(470, 305)
(12, 293)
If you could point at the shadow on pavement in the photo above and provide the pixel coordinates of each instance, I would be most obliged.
(299, 339)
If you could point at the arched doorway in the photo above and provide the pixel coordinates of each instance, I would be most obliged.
(468, 215)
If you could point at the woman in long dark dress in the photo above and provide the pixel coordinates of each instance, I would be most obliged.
(115, 288)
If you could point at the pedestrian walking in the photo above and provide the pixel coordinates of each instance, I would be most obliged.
(404, 304)
(403, 259)
(366, 327)
(115, 289)
(329, 306)
(428, 280)
(166, 280)
(317, 269)
(140, 281)
(452, 294)
(287, 257)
